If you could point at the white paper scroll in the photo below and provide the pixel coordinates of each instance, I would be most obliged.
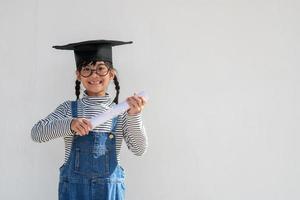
(114, 111)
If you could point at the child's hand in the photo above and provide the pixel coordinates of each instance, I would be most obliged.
(136, 104)
(81, 126)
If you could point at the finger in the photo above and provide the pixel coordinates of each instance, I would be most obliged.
(137, 100)
(128, 100)
(85, 127)
(81, 129)
(133, 106)
(136, 106)
(133, 100)
(87, 122)
(130, 103)
(134, 103)
(144, 101)
(77, 130)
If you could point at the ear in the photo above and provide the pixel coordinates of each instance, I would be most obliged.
(112, 74)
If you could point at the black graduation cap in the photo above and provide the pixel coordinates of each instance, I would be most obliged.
(92, 50)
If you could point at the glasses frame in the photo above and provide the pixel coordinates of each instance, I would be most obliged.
(92, 71)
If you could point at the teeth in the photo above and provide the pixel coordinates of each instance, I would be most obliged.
(95, 82)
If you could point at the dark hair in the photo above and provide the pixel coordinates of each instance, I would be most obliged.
(116, 82)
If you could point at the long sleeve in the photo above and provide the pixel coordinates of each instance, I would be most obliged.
(134, 134)
(55, 125)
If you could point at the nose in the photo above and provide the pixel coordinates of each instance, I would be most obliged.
(93, 72)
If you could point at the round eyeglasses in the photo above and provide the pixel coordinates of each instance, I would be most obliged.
(101, 70)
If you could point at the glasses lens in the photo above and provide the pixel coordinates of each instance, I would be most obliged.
(102, 70)
(86, 71)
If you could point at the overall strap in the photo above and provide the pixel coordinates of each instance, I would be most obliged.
(74, 108)
(114, 123)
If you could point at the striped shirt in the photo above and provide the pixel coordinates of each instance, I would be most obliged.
(58, 124)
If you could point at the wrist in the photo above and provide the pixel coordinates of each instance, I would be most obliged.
(133, 113)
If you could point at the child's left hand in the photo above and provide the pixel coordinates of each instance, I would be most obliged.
(136, 104)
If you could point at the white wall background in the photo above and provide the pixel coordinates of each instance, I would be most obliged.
(223, 78)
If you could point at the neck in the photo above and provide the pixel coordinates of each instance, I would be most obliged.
(102, 93)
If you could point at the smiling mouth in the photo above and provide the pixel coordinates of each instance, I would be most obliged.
(95, 82)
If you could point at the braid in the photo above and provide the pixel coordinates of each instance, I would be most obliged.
(77, 82)
(116, 82)
(117, 87)
(77, 88)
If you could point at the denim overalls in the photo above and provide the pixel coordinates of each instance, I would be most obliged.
(92, 171)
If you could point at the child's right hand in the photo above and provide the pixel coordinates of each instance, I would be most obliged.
(81, 126)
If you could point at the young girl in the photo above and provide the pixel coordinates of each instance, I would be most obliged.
(91, 169)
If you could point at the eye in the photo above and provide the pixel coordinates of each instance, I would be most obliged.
(102, 68)
(86, 69)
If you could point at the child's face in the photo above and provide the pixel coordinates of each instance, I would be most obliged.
(95, 84)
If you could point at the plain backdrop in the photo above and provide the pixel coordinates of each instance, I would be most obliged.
(222, 77)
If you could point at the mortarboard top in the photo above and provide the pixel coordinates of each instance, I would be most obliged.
(92, 50)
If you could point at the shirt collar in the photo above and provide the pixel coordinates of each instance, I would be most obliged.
(105, 100)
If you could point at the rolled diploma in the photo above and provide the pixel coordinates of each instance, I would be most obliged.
(114, 111)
